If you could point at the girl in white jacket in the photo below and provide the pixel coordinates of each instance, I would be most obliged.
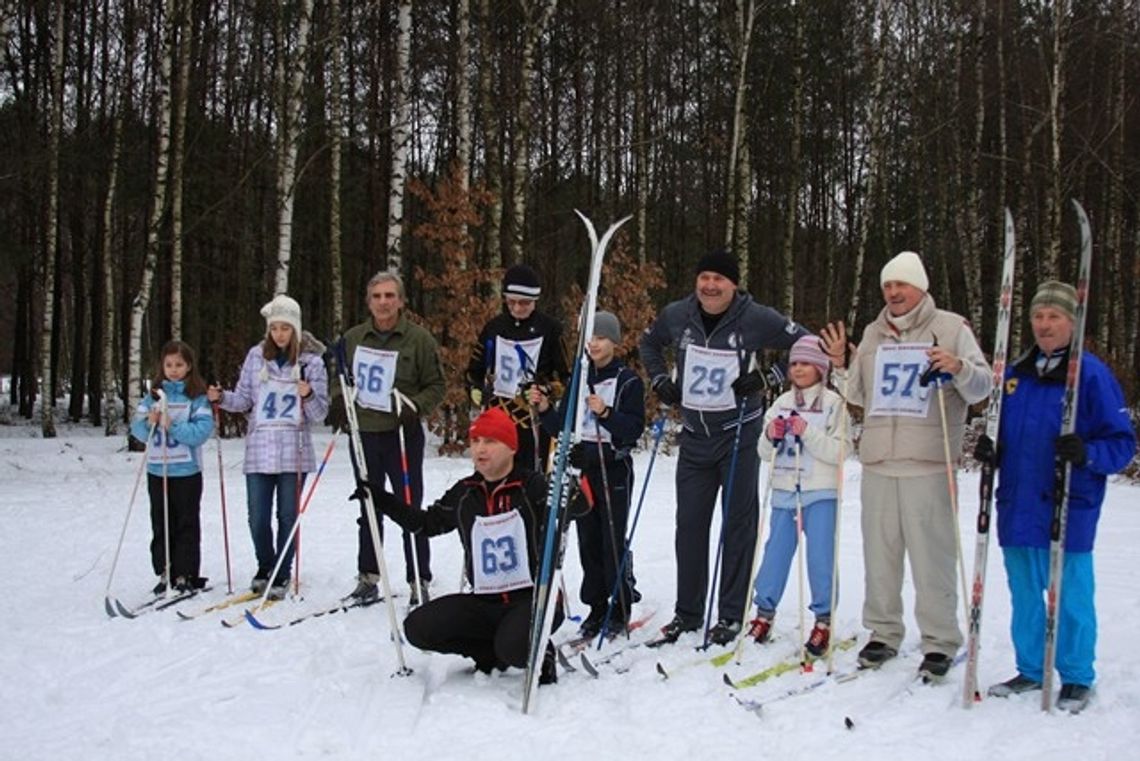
(809, 416)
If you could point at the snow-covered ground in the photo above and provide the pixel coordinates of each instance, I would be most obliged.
(77, 684)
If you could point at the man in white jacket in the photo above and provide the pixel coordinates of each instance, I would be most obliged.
(906, 503)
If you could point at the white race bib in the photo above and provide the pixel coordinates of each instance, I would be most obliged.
(162, 442)
(375, 377)
(708, 378)
(511, 368)
(785, 461)
(499, 553)
(278, 405)
(896, 390)
(589, 426)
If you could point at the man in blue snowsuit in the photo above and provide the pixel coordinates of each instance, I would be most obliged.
(1102, 444)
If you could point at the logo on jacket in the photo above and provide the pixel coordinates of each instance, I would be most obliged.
(1010, 386)
(733, 340)
(686, 339)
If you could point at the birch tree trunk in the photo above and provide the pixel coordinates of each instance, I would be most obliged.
(789, 300)
(51, 233)
(883, 10)
(492, 156)
(177, 161)
(287, 134)
(641, 151)
(976, 234)
(536, 22)
(401, 136)
(745, 18)
(1054, 201)
(336, 129)
(463, 108)
(1112, 319)
(150, 261)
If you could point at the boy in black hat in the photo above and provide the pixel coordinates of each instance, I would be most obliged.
(519, 347)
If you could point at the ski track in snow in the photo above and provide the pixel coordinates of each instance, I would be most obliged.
(77, 685)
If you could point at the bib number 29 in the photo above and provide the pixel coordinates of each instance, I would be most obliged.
(707, 382)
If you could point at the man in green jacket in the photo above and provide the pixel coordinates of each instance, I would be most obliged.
(395, 364)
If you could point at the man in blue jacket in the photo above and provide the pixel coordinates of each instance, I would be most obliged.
(714, 335)
(1102, 444)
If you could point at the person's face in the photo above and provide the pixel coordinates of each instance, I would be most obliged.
(601, 350)
(281, 333)
(174, 367)
(384, 303)
(491, 457)
(1052, 328)
(520, 308)
(803, 375)
(715, 291)
(901, 297)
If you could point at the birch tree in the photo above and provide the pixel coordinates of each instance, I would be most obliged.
(51, 233)
(150, 261)
(536, 16)
(463, 105)
(792, 204)
(492, 158)
(736, 191)
(287, 137)
(336, 128)
(177, 162)
(1054, 202)
(401, 136)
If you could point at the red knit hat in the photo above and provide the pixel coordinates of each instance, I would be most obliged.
(495, 424)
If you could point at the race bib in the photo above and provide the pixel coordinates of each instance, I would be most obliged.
(499, 550)
(708, 378)
(278, 405)
(785, 461)
(589, 426)
(375, 377)
(163, 446)
(515, 361)
(896, 389)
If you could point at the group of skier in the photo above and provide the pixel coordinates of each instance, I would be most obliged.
(914, 374)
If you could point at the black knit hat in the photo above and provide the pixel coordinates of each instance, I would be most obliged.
(722, 263)
(521, 281)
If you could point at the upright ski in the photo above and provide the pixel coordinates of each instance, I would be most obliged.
(1063, 470)
(542, 613)
(986, 485)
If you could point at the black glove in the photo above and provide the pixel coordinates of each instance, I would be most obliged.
(337, 417)
(749, 383)
(667, 392)
(985, 452)
(1070, 448)
(577, 458)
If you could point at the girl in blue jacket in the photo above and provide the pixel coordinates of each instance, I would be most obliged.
(1029, 440)
(182, 421)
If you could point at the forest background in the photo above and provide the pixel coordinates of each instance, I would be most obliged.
(166, 167)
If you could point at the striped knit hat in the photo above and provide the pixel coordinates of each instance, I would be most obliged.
(520, 281)
(808, 351)
(1053, 293)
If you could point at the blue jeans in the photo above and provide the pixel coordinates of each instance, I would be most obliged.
(1027, 569)
(819, 528)
(259, 494)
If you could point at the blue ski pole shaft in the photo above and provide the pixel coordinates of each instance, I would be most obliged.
(726, 501)
(658, 429)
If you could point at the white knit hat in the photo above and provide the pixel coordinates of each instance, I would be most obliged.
(905, 268)
(283, 309)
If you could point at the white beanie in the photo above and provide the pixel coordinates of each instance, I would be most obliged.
(283, 309)
(905, 268)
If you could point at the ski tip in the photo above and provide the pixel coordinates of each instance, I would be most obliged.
(123, 610)
(184, 616)
(661, 670)
(728, 681)
(847, 722)
(589, 667)
(252, 619)
(564, 661)
(110, 608)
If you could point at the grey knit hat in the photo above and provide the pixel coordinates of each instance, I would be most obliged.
(1054, 293)
(606, 325)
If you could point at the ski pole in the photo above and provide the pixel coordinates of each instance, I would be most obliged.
(529, 373)
(297, 489)
(222, 489)
(107, 604)
(726, 502)
(758, 550)
(799, 447)
(401, 400)
(165, 423)
(838, 511)
(658, 430)
(295, 532)
(609, 511)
